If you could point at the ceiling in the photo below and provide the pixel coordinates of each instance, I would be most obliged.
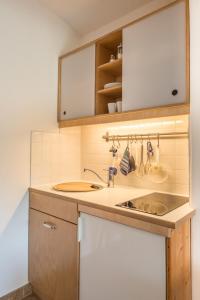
(88, 15)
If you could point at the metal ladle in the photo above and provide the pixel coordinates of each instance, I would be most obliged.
(157, 172)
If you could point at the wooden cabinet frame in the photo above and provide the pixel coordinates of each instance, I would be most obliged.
(169, 110)
(178, 258)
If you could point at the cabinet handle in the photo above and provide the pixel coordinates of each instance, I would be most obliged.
(175, 92)
(49, 225)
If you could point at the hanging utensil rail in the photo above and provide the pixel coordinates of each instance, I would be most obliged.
(146, 136)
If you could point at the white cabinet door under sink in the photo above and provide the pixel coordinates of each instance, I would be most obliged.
(118, 262)
(77, 94)
(154, 60)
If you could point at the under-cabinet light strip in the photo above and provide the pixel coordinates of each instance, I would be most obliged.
(148, 125)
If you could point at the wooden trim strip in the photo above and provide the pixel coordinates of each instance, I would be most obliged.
(140, 114)
(59, 89)
(178, 252)
(187, 10)
(153, 228)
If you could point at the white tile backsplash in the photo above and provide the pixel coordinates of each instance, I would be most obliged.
(174, 153)
(61, 155)
(55, 156)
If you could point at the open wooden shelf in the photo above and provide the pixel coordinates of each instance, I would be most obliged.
(107, 72)
(141, 114)
(114, 67)
(111, 92)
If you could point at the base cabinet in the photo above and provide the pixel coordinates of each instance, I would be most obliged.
(113, 261)
(122, 262)
(119, 262)
(53, 257)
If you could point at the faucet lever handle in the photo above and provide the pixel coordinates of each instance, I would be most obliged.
(111, 170)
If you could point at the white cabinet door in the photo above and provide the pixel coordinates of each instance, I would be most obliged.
(78, 84)
(154, 60)
(118, 262)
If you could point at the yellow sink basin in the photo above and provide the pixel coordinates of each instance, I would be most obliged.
(78, 186)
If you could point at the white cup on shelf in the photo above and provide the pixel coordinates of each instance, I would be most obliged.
(112, 107)
(119, 106)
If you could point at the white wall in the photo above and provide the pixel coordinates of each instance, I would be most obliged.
(32, 38)
(195, 125)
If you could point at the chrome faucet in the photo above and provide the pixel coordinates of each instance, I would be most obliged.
(112, 172)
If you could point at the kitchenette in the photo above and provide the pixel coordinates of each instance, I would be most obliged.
(110, 209)
(99, 155)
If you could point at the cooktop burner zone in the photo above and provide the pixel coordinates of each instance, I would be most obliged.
(156, 203)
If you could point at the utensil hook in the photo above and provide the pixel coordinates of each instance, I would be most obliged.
(135, 138)
(132, 139)
(118, 142)
(158, 140)
(113, 140)
(128, 141)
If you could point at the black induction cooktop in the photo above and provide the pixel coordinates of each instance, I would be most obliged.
(156, 203)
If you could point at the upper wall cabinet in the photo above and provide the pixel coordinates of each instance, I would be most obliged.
(140, 69)
(154, 60)
(77, 84)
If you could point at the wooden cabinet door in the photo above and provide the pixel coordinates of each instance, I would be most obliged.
(77, 91)
(154, 60)
(53, 257)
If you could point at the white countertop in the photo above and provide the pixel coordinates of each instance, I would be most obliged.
(108, 198)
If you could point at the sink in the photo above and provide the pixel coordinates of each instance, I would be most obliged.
(78, 186)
